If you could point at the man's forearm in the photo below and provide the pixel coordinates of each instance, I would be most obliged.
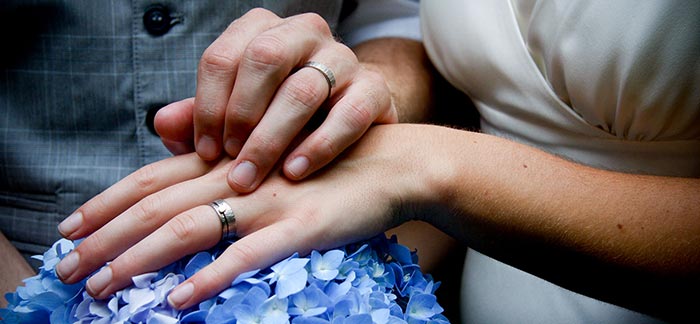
(407, 71)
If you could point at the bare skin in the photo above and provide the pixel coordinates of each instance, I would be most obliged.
(495, 202)
(14, 269)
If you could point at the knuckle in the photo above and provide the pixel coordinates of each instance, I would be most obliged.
(216, 59)
(145, 179)
(304, 94)
(266, 53)
(325, 147)
(261, 13)
(359, 114)
(315, 21)
(241, 120)
(183, 227)
(244, 252)
(264, 148)
(146, 210)
(206, 115)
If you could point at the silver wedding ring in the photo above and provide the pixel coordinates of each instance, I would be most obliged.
(326, 71)
(227, 218)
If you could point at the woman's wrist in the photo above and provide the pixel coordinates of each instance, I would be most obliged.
(423, 184)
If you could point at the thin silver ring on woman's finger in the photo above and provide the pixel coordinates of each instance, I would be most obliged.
(227, 218)
(325, 70)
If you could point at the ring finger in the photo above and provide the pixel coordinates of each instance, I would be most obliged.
(136, 222)
(265, 64)
(296, 101)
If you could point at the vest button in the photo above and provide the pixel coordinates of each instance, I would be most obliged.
(157, 20)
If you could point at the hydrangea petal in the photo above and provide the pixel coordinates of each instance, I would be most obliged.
(376, 278)
(325, 267)
(423, 307)
(292, 276)
(143, 280)
(198, 261)
(158, 318)
(138, 298)
(309, 320)
(358, 319)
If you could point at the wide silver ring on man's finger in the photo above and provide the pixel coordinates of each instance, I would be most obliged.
(227, 218)
(325, 70)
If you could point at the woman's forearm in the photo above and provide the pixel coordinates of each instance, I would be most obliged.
(524, 206)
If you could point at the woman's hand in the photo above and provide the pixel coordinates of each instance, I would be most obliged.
(255, 94)
(159, 214)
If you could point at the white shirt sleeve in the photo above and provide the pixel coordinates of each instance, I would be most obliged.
(381, 18)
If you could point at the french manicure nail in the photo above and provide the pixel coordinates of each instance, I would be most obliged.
(68, 265)
(298, 166)
(181, 295)
(69, 225)
(99, 282)
(244, 174)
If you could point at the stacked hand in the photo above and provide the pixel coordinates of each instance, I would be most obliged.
(159, 214)
(259, 85)
(255, 93)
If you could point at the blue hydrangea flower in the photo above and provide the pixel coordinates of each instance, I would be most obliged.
(375, 281)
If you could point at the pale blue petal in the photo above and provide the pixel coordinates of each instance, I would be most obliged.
(139, 298)
(380, 316)
(100, 308)
(243, 276)
(358, 319)
(198, 261)
(309, 320)
(326, 275)
(274, 311)
(336, 291)
(293, 266)
(83, 309)
(315, 311)
(291, 283)
(101, 320)
(255, 297)
(143, 280)
(423, 307)
(333, 258)
(396, 320)
(219, 314)
(244, 315)
(157, 318)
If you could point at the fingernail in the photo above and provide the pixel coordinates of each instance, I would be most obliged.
(67, 266)
(244, 174)
(181, 295)
(70, 224)
(298, 166)
(206, 146)
(99, 282)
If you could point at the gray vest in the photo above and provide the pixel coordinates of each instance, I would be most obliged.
(79, 84)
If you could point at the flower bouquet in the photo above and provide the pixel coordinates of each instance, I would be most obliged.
(375, 281)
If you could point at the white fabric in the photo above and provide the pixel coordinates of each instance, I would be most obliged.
(611, 84)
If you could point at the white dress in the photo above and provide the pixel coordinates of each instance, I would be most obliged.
(610, 84)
